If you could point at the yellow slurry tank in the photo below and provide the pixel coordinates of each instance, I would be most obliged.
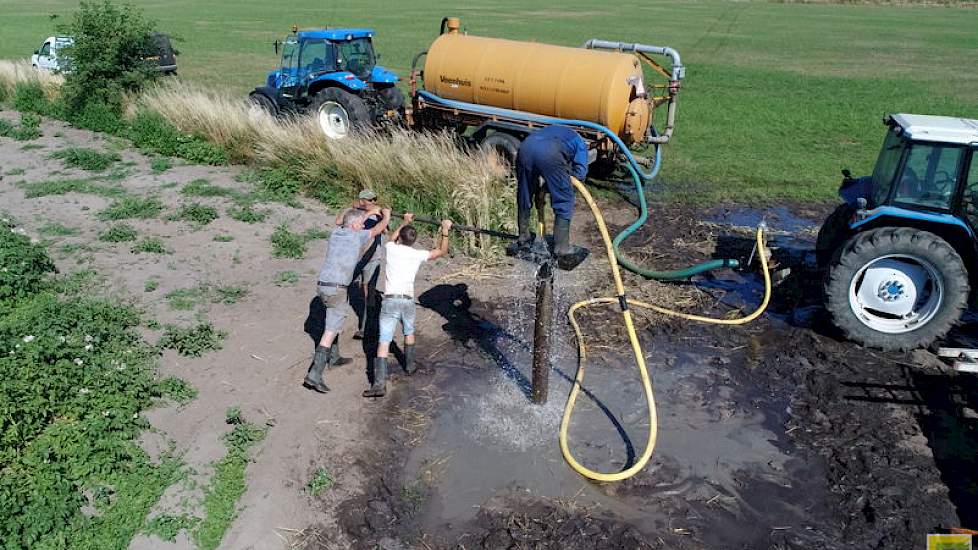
(574, 83)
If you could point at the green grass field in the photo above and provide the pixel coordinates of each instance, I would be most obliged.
(777, 99)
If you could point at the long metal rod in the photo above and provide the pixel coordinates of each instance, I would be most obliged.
(460, 227)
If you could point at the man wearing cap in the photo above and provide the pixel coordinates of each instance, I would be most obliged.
(342, 254)
(369, 265)
(403, 262)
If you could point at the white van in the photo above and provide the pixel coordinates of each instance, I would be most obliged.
(46, 57)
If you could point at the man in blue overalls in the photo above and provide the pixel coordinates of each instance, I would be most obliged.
(553, 153)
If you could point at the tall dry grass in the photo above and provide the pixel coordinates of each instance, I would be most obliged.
(17, 72)
(425, 172)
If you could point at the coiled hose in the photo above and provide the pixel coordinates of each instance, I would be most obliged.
(624, 302)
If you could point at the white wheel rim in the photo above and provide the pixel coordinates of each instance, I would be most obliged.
(334, 120)
(897, 293)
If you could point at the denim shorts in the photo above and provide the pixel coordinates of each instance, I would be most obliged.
(392, 311)
(337, 306)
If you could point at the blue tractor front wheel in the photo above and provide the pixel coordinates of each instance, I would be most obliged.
(339, 113)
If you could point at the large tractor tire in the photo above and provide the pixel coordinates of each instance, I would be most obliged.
(392, 98)
(263, 102)
(896, 288)
(833, 233)
(339, 113)
(506, 146)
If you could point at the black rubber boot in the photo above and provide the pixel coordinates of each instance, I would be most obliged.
(335, 359)
(379, 387)
(314, 378)
(568, 256)
(525, 239)
(409, 365)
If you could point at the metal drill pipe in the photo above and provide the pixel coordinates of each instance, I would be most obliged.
(460, 227)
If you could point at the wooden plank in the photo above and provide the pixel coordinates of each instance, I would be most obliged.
(955, 353)
(965, 366)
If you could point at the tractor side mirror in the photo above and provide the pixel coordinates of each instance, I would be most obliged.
(846, 173)
(377, 57)
(276, 43)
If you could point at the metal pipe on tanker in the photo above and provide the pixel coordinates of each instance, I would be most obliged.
(678, 73)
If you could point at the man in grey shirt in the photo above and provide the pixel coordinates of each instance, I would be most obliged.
(342, 253)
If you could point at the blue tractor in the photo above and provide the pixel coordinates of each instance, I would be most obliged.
(333, 75)
(901, 254)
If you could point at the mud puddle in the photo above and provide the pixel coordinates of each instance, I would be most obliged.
(721, 455)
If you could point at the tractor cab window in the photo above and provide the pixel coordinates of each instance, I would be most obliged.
(886, 166)
(316, 57)
(970, 199)
(930, 175)
(45, 49)
(290, 50)
(356, 56)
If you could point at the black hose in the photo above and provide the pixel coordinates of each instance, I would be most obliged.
(414, 62)
(444, 21)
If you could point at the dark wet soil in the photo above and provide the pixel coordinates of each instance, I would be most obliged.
(776, 435)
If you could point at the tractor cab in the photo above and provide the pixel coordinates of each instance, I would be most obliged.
(925, 171)
(901, 254)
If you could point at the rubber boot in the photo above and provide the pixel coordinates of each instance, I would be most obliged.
(379, 387)
(409, 365)
(314, 378)
(335, 359)
(568, 256)
(525, 236)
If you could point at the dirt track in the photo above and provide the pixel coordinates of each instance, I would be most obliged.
(775, 435)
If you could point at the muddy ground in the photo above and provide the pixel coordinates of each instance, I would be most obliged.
(773, 435)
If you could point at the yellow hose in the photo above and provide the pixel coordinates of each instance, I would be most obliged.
(621, 299)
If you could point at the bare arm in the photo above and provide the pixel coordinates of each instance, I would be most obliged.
(407, 219)
(382, 224)
(446, 226)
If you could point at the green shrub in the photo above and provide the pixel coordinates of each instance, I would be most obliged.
(107, 59)
(57, 229)
(192, 341)
(88, 186)
(23, 266)
(277, 184)
(149, 245)
(286, 244)
(177, 390)
(247, 214)
(30, 98)
(119, 233)
(132, 207)
(196, 213)
(161, 164)
(29, 128)
(229, 294)
(151, 285)
(152, 132)
(283, 278)
(86, 159)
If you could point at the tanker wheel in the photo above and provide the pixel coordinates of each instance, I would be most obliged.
(602, 168)
(896, 288)
(339, 113)
(506, 146)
